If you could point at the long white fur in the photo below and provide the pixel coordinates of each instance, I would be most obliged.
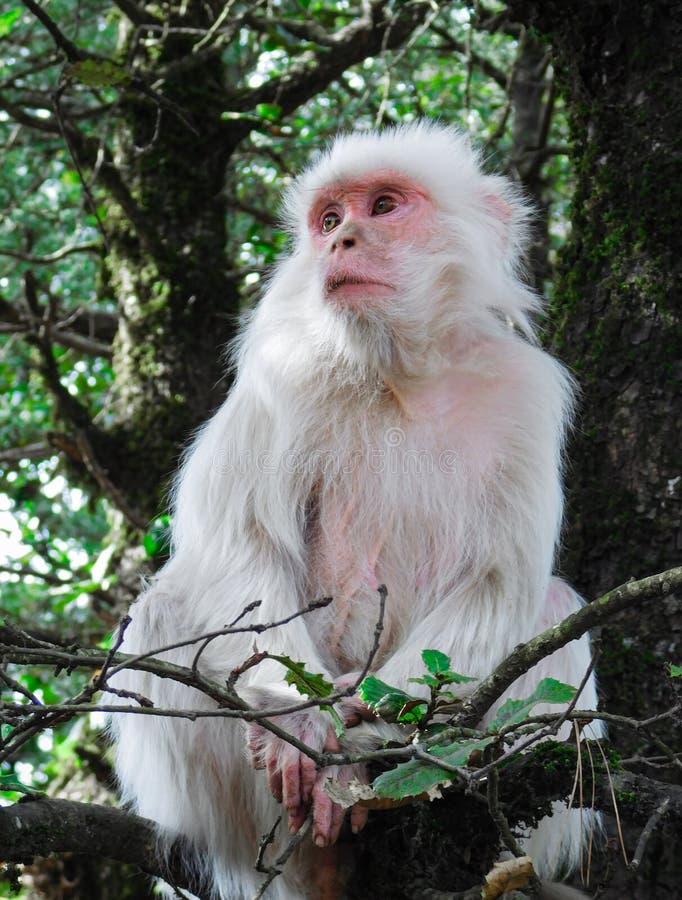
(466, 525)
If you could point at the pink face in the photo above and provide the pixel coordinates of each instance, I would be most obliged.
(362, 229)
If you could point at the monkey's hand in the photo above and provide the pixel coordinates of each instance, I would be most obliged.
(295, 781)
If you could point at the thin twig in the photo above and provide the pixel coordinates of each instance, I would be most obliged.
(280, 862)
(649, 829)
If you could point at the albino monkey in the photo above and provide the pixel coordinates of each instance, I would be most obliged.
(392, 422)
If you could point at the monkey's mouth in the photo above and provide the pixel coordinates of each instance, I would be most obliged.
(336, 282)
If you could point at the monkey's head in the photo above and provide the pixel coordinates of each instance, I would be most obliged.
(402, 244)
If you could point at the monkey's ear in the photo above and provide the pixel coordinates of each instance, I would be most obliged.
(499, 207)
(506, 214)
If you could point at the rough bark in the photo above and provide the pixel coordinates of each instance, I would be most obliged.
(177, 304)
(618, 303)
(617, 325)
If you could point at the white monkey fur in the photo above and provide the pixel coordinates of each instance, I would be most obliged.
(461, 524)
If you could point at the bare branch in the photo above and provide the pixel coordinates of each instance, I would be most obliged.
(39, 450)
(108, 487)
(137, 14)
(649, 828)
(367, 35)
(525, 656)
(67, 46)
(55, 256)
(38, 827)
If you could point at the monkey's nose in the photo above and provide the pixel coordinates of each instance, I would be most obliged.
(343, 243)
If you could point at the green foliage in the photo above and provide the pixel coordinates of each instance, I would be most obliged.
(311, 685)
(156, 541)
(675, 671)
(438, 664)
(98, 73)
(419, 776)
(390, 703)
(549, 690)
(7, 20)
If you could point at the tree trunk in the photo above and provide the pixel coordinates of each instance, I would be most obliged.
(168, 270)
(617, 325)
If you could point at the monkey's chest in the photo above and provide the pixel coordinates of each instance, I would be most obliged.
(407, 529)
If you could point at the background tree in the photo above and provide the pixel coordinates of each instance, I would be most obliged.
(145, 148)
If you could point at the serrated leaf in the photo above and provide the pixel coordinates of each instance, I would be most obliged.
(390, 702)
(310, 684)
(411, 712)
(507, 876)
(417, 776)
(675, 671)
(371, 689)
(549, 690)
(425, 679)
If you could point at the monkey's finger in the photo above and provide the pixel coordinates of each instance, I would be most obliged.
(331, 742)
(358, 818)
(322, 814)
(338, 813)
(354, 711)
(296, 818)
(291, 781)
(308, 776)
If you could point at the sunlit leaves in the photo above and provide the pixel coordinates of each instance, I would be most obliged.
(7, 20)
(156, 541)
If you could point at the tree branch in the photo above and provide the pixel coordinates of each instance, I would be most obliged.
(67, 46)
(56, 255)
(367, 35)
(525, 656)
(38, 827)
(137, 14)
(39, 450)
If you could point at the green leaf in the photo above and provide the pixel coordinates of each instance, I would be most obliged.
(390, 702)
(439, 665)
(156, 541)
(7, 19)
(98, 73)
(310, 684)
(428, 680)
(371, 689)
(270, 111)
(675, 671)
(549, 690)
(435, 661)
(417, 776)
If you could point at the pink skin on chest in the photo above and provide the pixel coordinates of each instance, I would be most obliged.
(465, 405)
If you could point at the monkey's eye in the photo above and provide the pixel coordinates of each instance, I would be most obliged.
(383, 205)
(330, 221)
